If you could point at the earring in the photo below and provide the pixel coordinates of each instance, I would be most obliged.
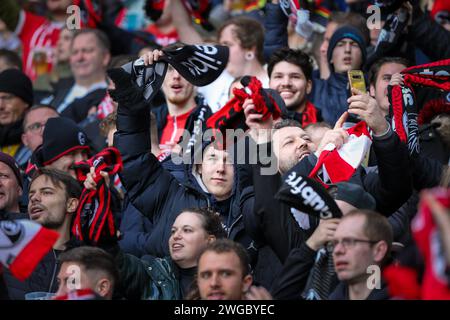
(249, 56)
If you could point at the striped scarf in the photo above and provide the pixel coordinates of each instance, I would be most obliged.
(94, 217)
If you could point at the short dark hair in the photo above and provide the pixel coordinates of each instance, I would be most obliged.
(316, 125)
(376, 66)
(296, 57)
(92, 259)
(250, 33)
(287, 123)
(102, 38)
(58, 178)
(11, 58)
(37, 107)
(376, 226)
(227, 245)
(211, 221)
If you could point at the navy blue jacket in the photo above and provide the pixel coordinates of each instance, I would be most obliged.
(330, 96)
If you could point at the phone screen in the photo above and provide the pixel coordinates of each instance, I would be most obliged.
(356, 80)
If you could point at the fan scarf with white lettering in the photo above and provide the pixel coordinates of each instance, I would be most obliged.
(231, 115)
(308, 196)
(23, 243)
(425, 94)
(337, 165)
(94, 218)
(198, 64)
(312, 198)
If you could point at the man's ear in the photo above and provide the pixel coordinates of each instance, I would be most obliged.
(372, 90)
(72, 205)
(24, 140)
(211, 238)
(19, 191)
(246, 283)
(106, 59)
(103, 287)
(379, 251)
(309, 85)
(198, 168)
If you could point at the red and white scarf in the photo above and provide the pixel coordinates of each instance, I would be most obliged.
(338, 165)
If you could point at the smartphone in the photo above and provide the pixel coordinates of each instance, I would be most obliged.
(356, 80)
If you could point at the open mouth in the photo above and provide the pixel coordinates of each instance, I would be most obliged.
(177, 246)
(286, 94)
(216, 296)
(36, 212)
(303, 155)
(339, 265)
(176, 88)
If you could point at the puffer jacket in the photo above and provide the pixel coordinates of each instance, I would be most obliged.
(151, 188)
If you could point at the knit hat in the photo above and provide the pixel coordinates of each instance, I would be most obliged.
(17, 83)
(355, 195)
(10, 162)
(61, 136)
(349, 32)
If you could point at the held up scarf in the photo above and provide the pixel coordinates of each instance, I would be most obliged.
(94, 217)
(425, 94)
(231, 116)
(198, 64)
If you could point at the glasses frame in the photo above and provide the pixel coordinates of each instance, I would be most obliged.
(351, 242)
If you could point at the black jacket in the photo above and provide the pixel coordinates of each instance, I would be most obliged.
(429, 36)
(152, 189)
(341, 293)
(43, 278)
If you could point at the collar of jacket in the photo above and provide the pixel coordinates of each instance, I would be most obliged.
(11, 133)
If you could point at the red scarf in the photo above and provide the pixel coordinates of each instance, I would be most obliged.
(309, 115)
(94, 211)
(231, 115)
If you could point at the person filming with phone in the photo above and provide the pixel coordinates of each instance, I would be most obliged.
(347, 51)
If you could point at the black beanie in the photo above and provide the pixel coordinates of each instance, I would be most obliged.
(10, 162)
(17, 83)
(350, 32)
(61, 136)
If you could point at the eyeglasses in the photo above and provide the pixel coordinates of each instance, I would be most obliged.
(350, 242)
(35, 127)
(7, 97)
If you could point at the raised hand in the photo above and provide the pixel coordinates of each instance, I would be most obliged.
(363, 105)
